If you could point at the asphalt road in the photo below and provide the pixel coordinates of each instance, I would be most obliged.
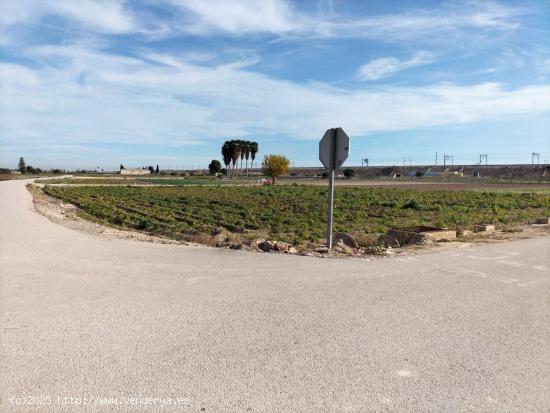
(101, 321)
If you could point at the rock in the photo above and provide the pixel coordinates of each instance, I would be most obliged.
(346, 238)
(321, 250)
(218, 230)
(265, 246)
(463, 233)
(484, 228)
(222, 243)
(344, 249)
(375, 249)
(221, 235)
(386, 241)
(409, 237)
(281, 246)
(541, 221)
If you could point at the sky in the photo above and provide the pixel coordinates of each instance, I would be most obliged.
(97, 83)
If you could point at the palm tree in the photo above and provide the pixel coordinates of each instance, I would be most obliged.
(227, 155)
(247, 145)
(242, 150)
(253, 151)
(235, 152)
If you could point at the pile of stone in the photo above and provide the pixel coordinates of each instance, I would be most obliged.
(415, 236)
(276, 246)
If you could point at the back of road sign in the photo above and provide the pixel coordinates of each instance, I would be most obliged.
(334, 148)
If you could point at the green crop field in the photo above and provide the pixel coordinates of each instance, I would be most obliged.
(293, 213)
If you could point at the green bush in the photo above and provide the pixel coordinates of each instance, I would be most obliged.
(349, 173)
(412, 204)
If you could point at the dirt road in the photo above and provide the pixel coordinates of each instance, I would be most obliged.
(111, 324)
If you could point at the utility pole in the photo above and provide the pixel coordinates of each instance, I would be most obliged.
(533, 156)
(436, 159)
(481, 157)
(447, 158)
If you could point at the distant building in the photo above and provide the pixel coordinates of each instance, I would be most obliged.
(135, 171)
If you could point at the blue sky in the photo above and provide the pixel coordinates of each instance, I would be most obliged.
(98, 83)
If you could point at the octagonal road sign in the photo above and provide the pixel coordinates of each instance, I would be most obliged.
(334, 148)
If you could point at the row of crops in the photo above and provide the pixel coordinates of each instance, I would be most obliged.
(294, 213)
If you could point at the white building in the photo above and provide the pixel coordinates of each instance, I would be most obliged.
(135, 171)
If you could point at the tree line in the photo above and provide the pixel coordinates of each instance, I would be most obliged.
(236, 149)
(29, 169)
(150, 168)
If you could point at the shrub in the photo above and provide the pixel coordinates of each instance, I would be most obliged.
(142, 224)
(349, 173)
(275, 166)
(412, 204)
(215, 167)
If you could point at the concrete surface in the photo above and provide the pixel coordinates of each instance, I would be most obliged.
(87, 318)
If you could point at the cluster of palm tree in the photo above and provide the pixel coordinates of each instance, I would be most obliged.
(236, 149)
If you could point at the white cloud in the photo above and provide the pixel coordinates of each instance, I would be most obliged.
(88, 96)
(108, 16)
(18, 75)
(276, 17)
(103, 16)
(241, 17)
(387, 66)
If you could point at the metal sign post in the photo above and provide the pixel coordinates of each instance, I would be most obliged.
(333, 151)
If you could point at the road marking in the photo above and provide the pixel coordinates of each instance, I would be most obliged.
(541, 268)
(404, 373)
